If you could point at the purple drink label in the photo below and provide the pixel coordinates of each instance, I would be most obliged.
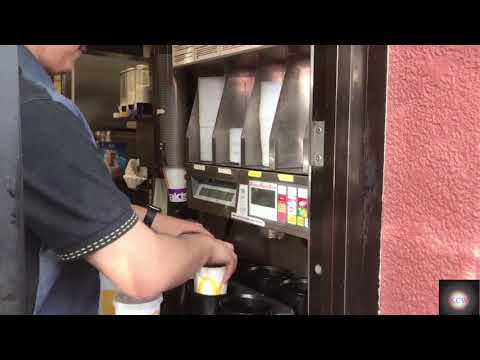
(177, 195)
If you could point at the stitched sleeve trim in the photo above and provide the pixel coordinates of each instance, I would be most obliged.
(74, 255)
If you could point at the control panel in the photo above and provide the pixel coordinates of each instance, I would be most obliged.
(265, 199)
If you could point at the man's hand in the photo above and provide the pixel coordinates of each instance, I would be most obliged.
(143, 264)
(176, 227)
(172, 226)
(222, 253)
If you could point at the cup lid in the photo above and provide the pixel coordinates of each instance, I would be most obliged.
(127, 300)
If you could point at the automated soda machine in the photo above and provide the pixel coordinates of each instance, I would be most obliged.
(278, 150)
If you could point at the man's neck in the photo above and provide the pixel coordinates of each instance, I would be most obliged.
(37, 51)
(32, 68)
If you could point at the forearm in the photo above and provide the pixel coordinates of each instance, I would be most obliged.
(143, 264)
(177, 261)
(163, 224)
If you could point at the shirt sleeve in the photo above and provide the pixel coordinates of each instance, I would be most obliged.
(71, 202)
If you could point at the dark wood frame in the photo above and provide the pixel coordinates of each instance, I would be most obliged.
(349, 96)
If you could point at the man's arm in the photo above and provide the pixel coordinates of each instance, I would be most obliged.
(169, 225)
(143, 264)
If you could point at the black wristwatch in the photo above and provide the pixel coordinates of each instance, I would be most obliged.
(152, 211)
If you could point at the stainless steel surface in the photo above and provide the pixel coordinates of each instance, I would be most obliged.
(131, 76)
(251, 145)
(96, 90)
(317, 141)
(123, 90)
(142, 84)
(193, 54)
(231, 114)
(291, 120)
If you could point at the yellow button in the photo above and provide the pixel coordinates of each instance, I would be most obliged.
(300, 221)
(285, 178)
(292, 219)
(255, 174)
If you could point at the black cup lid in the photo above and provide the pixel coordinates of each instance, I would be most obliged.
(245, 304)
(264, 271)
(297, 285)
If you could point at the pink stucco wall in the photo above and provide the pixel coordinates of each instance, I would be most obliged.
(431, 211)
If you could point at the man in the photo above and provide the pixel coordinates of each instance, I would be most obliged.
(77, 221)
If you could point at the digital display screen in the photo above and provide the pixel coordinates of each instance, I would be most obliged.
(217, 194)
(263, 197)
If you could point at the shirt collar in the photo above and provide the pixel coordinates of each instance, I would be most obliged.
(32, 69)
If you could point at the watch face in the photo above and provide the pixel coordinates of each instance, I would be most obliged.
(150, 215)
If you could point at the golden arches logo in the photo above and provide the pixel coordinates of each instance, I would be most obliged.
(217, 289)
(107, 302)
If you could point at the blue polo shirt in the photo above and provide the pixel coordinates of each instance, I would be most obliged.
(72, 206)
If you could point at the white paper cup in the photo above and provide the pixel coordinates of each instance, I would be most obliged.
(125, 305)
(108, 291)
(208, 281)
(269, 96)
(175, 178)
(206, 143)
(235, 145)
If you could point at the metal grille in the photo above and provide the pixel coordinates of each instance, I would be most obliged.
(187, 54)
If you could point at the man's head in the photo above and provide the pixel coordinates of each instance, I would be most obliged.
(56, 59)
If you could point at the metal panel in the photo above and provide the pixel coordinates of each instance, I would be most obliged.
(317, 139)
(292, 116)
(191, 54)
(231, 114)
(251, 146)
(13, 290)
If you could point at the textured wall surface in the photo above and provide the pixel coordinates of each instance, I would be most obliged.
(431, 214)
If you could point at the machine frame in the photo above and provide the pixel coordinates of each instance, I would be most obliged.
(347, 137)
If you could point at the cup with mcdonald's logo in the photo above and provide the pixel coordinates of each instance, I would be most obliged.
(107, 293)
(208, 281)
